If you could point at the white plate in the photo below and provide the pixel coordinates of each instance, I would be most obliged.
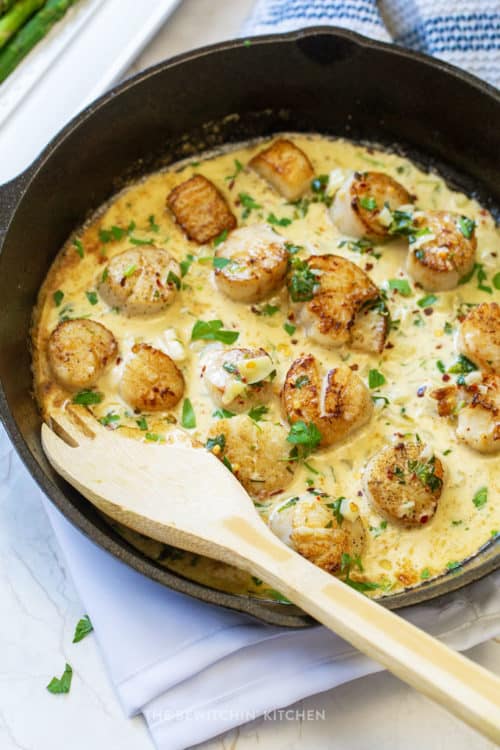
(82, 56)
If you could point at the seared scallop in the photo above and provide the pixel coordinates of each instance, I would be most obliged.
(286, 167)
(200, 209)
(479, 337)
(257, 454)
(338, 303)
(79, 351)
(252, 263)
(404, 482)
(140, 281)
(478, 420)
(337, 402)
(363, 205)
(238, 379)
(151, 380)
(442, 250)
(309, 525)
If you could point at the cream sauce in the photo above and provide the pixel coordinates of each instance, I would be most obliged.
(394, 557)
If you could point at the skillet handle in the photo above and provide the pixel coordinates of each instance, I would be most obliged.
(10, 193)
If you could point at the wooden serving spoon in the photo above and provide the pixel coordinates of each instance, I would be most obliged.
(185, 497)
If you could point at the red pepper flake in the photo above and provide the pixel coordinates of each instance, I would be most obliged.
(428, 311)
(389, 345)
(424, 519)
(445, 377)
(368, 266)
(354, 367)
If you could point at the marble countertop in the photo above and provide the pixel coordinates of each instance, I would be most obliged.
(40, 607)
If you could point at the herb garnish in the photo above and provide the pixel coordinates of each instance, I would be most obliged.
(375, 379)
(401, 286)
(152, 224)
(87, 397)
(188, 418)
(305, 438)
(302, 282)
(79, 247)
(220, 263)
(211, 330)
(83, 628)
(283, 222)
(368, 202)
(172, 278)
(466, 226)
(219, 440)
(249, 205)
(257, 413)
(427, 301)
(61, 684)
(58, 297)
(481, 497)
(289, 328)
(223, 414)
(92, 297)
(222, 237)
(186, 264)
(462, 366)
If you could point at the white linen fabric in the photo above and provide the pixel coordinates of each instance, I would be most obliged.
(195, 670)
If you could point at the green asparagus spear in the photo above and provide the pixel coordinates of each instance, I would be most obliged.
(15, 18)
(6, 5)
(30, 34)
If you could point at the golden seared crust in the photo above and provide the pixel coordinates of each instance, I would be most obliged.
(378, 190)
(404, 482)
(151, 380)
(343, 306)
(222, 379)
(257, 454)
(286, 167)
(438, 261)
(79, 351)
(200, 209)
(140, 281)
(258, 262)
(479, 337)
(478, 422)
(446, 398)
(317, 535)
(337, 405)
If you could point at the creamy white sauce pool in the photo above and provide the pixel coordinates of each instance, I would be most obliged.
(394, 557)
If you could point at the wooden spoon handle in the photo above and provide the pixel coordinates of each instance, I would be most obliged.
(464, 688)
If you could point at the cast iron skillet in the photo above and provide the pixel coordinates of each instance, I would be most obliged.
(325, 80)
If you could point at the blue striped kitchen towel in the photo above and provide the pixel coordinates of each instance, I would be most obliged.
(465, 33)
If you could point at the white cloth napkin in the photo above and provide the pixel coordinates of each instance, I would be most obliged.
(195, 670)
(192, 669)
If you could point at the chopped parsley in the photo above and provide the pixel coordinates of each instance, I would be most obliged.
(269, 310)
(152, 224)
(186, 264)
(188, 418)
(92, 297)
(223, 414)
(377, 530)
(249, 204)
(302, 282)
(283, 222)
(115, 233)
(238, 167)
(211, 330)
(376, 379)
(466, 226)
(219, 440)
(109, 418)
(401, 286)
(79, 247)
(448, 328)
(347, 563)
(441, 366)
(305, 437)
(172, 278)
(87, 397)
(453, 565)
(289, 328)
(129, 271)
(58, 297)
(83, 628)
(368, 202)
(425, 574)
(481, 497)
(257, 413)
(142, 424)
(293, 249)
(301, 381)
(61, 684)
(427, 301)
(335, 508)
(482, 276)
(220, 263)
(289, 503)
(277, 597)
(153, 437)
(462, 366)
(496, 280)
(138, 241)
(361, 246)
(222, 237)
(425, 472)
